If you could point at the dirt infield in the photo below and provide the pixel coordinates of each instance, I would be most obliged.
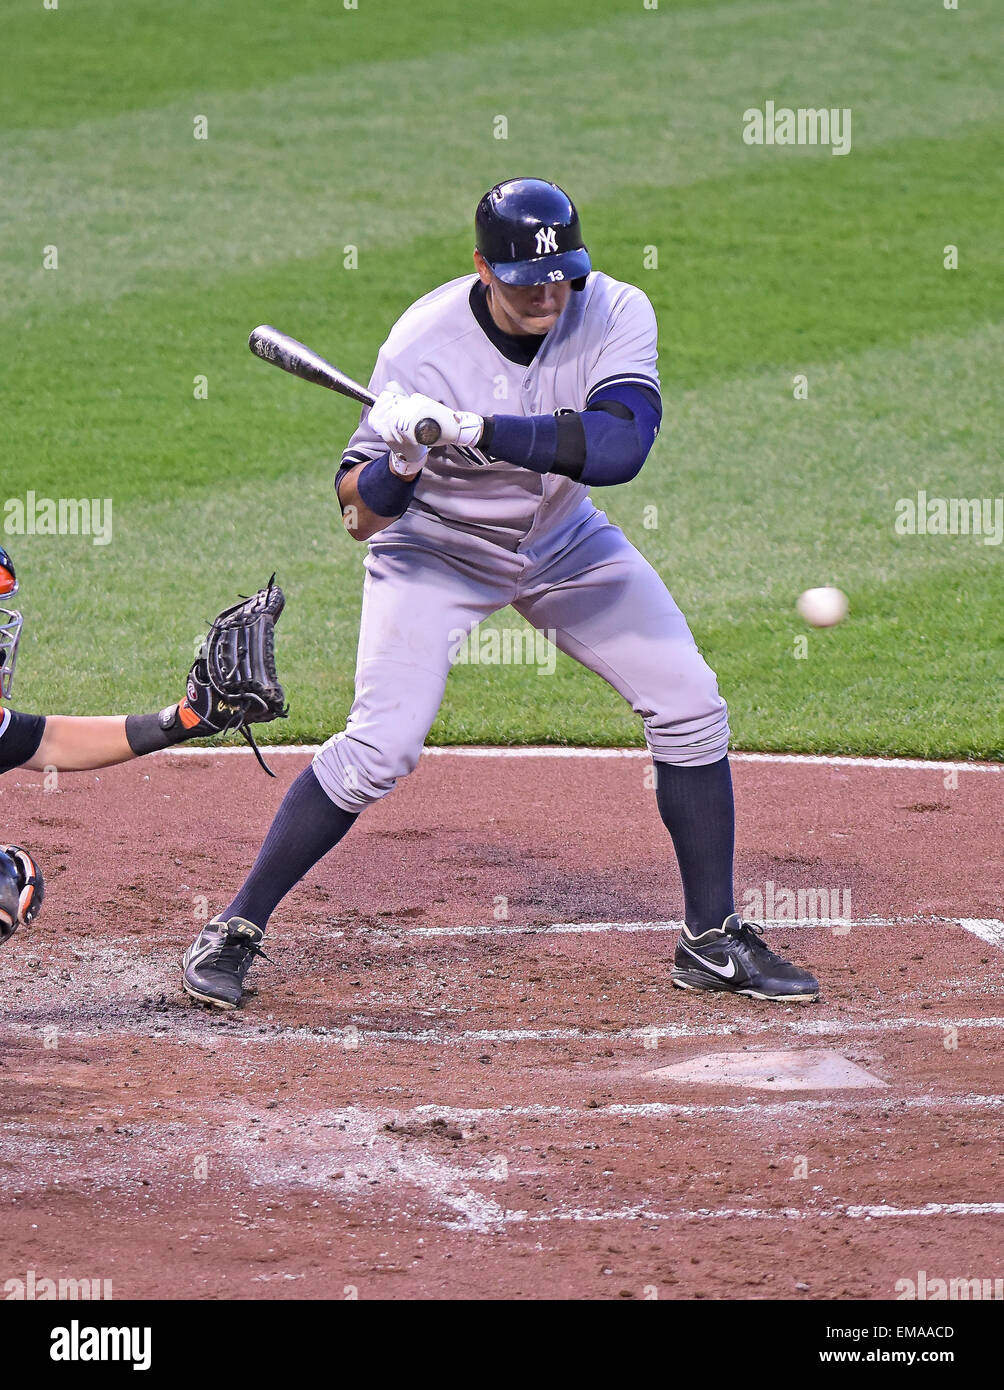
(447, 1083)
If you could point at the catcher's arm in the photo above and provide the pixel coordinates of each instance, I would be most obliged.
(232, 685)
(73, 744)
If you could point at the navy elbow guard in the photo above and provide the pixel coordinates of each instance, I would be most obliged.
(620, 427)
(606, 443)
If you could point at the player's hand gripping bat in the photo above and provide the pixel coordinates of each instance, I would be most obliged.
(285, 352)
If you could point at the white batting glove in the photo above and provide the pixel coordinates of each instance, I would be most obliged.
(460, 427)
(388, 416)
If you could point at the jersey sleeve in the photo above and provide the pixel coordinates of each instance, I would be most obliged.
(629, 352)
(20, 735)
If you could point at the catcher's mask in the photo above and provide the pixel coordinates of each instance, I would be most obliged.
(10, 625)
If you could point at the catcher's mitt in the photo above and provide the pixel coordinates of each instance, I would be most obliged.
(22, 889)
(234, 682)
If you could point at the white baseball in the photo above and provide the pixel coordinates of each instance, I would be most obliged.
(823, 607)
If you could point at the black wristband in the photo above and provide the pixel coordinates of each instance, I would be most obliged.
(487, 434)
(149, 733)
(570, 450)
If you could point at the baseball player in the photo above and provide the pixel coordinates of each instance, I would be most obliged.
(542, 376)
(215, 701)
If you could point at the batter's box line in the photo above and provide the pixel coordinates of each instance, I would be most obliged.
(549, 751)
(988, 929)
(809, 1027)
(358, 1034)
(429, 1112)
(834, 1213)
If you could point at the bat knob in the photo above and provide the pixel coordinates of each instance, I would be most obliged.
(427, 432)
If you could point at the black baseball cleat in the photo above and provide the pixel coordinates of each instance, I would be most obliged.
(734, 958)
(218, 959)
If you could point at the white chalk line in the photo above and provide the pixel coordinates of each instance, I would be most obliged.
(931, 1209)
(356, 1035)
(809, 1027)
(547, 751)
(988, 929)
(192, 1031)
(770, 1109)
(868, 1213)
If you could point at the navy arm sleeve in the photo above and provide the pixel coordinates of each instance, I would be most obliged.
(604, 444)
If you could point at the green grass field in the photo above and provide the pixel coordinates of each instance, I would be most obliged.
(374, 128)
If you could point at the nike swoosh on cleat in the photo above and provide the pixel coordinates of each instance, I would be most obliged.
(196, 954)
(726, 973)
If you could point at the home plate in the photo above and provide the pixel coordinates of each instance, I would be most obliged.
(817, 1069)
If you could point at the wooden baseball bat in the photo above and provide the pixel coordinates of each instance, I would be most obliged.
(282, 351)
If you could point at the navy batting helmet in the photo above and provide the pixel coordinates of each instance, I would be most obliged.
(528, 232)
(10, 624)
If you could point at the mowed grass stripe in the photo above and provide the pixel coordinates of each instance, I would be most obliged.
(790, 262)
(775, 271)
(758, 496)
(100, 57)
(326, 159)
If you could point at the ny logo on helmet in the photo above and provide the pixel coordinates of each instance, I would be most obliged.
(547, 241)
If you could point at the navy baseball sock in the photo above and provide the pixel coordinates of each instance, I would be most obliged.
(697, 809)
(306, 826)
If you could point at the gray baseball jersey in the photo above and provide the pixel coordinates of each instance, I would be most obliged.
(480, 536)
(606, 333)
